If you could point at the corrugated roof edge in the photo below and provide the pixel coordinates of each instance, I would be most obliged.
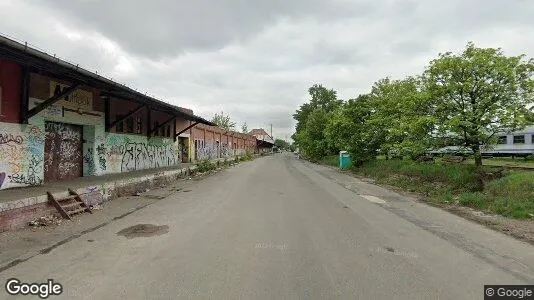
(74, 68)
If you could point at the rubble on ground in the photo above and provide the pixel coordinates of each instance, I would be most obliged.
(46, 221)
(96, 207)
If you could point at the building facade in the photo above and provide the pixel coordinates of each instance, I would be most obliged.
(60, 122)
(264, 141)
(211, 142)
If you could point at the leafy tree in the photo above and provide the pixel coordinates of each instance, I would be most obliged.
(244, 127)
(281, 144)
(223, 121)
(478, 93)
(311, 120)
(321, 97)
(529, 116)
(348, 129)
(312, 141)
(402, 116)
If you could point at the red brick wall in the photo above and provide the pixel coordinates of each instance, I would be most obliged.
(11, 84)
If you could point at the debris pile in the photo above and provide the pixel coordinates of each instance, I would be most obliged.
(46, 221)
(96, 207)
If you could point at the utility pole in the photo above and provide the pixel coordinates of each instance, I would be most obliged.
(272, 149)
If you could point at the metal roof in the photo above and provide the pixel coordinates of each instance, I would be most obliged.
(43, 63)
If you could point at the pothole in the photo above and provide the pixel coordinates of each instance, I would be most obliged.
(143, 230)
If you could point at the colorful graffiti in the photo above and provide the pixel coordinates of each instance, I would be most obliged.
(31, 176)
(225, 151)
(10, 138)
(123, 153)
(213, 150)
(89, 162)
(206, 150)
(138, 156)
(101, 151)
(21, 155)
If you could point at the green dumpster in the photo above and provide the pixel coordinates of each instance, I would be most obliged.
(344, 159)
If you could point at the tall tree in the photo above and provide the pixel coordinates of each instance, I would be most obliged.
(223, 121)
(311, 120)
(478, 93)
(281, 144)
(402, 116)
(321, 97)
(244, 127)
(348, 129)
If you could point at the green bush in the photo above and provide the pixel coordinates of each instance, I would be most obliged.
(205, 165)
(248, 156)
(331, 160)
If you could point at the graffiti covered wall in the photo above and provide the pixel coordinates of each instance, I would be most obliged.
(212, 150)
(114, 153)
(21, 155)
(206, 149)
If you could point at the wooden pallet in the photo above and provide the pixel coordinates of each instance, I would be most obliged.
(69, 205)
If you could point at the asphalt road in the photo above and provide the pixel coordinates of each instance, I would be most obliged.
(280, 228)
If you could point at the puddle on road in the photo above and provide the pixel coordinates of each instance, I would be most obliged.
(143, 230)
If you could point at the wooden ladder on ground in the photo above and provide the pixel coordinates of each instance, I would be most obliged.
(69, 205)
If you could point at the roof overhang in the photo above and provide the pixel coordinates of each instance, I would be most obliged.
(40, 62)
(261, 143)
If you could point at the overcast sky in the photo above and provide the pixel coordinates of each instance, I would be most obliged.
(255, 59)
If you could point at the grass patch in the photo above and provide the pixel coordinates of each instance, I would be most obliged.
(505, 162)
(331, 160)
(205, 166)
(248, 156)
(457, 177)
(511, 196)
(442, 183)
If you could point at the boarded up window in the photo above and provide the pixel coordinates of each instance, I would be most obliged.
(120, 125)
(138, 125)
(130, 125)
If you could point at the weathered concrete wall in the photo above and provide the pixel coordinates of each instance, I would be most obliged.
(18, 213)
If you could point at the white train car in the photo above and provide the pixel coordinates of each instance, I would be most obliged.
(517, 143)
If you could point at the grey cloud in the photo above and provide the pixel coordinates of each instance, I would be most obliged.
(167, 28)
(256, 62)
